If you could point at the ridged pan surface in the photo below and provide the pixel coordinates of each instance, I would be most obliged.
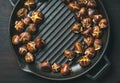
(56, 31)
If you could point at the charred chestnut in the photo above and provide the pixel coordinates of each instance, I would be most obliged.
(69, 54)
(97, 18)
(82, 2)
(78, 47)
(39, 42)
(96, 32)
(91, 3)
(29, 58)
(23, 50)
(84, 61)
(65, 70)
(103, 23)
(25, 37)
(30, 4)
(19, 26)
(86, 22)
(15, 40)
(98, 44)
(90, 52)
(88, 40)
(91, 12)
(56, 67)
(45, 66)
(87, 31)
(37, 16)
(22, 12)
(73, 6)
(32, 28)
(31, 47)
(27, 20)
(77, 28)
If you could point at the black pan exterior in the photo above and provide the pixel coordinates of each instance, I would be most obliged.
(56, 32)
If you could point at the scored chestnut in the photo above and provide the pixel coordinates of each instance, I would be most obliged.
(26, 20)
(22, 12)
(97, 44)
(73, 6)
(19, 26)
(86, 22)
(15, 40)
(56, 67)
(77, 28)
(32, 28)
(90, 52)
(31, 47)
(65, 70)
(97, 18)
(37, 16)
(45, 66)
(69, 54)
(91, 3)
(96, 31)
(30, 4)
(29, 58)
(103, 23)
(87, 31)
(23, 50)
(84, 61)
(24, 37)
(78, 47)
(88, 40)
(39, 42)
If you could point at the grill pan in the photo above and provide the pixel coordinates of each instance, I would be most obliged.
(56, 32)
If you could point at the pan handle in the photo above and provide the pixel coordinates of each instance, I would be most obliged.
(13, 2)
(99, 69)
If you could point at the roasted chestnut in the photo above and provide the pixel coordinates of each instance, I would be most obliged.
(88, 40)
(31, 47)
(97, 18)
(25, 37)
(27, 20)
(98, 44)
(96, 32)
(86, 22)
(22, 12)
(15, 40)
(91, 3)
(32, 28)
(29, 58)
(73, 6)
(87, 31)
(103, 23)
(82, 2)
(90, 52)
(30, 4)
(78, 47)
(66, 1)
(77, 28)
(39, 42)
(84, 61)
(45, 66)
(91, 12)
(69, 54)
(19, 26)
(23, 50)
(37, 16)
(56, 67)
(65, 70)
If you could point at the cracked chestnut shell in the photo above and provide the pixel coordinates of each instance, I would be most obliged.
(103, 23)
(39, 42)
(23, 50)
(90, 52)
(86, 22)
(22, 12)
(97, 44)
(32, 28)
(65, 70)
(15, 40)
(78, 47)
(29, 58)
(30, 4)
(92, 3)
(19, 26)
(31, 47)
(97, 18)
(69, 54)
(45, 66)
(87, 31)
(91, 12)
(84, 61)
(96, 32)
(88, 40)
(82, 2)
(77, 28)
(73, 6)
(26, 20)
(25, 37)
(56, 67)
(37, 16)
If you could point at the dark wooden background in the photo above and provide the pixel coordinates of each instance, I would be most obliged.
(11, 73)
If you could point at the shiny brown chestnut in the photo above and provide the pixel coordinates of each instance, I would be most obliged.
(91, 3)
(65, 70)
(90, 52)
(87, 31)
(23, 50)
(24, 37)
(97, 44)
(39, 42)
(32, 28)
(103, 23)
(97, 18)
(26, 20)
(45, 66)
(37, 16)
(15, 40)
(88, 40)
(78, 47)
(77, 28)
(82, 2)
(30, 4)
(96, 32)
(73, 6)
(22, 12)
(19, 26)
(86, 22)
(84, 61)
(31, 47)
(66, 1)
(69, 54)
(29, 58)
(56, 67)
(91, 12)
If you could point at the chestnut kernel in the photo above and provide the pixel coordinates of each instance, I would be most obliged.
(45, 66)
(78, 47)
(90, 52)
(15, 40)
(69, 54)
(82, 2)
(65, 70)
(29, 58)
(56, 67)
(77, 28)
